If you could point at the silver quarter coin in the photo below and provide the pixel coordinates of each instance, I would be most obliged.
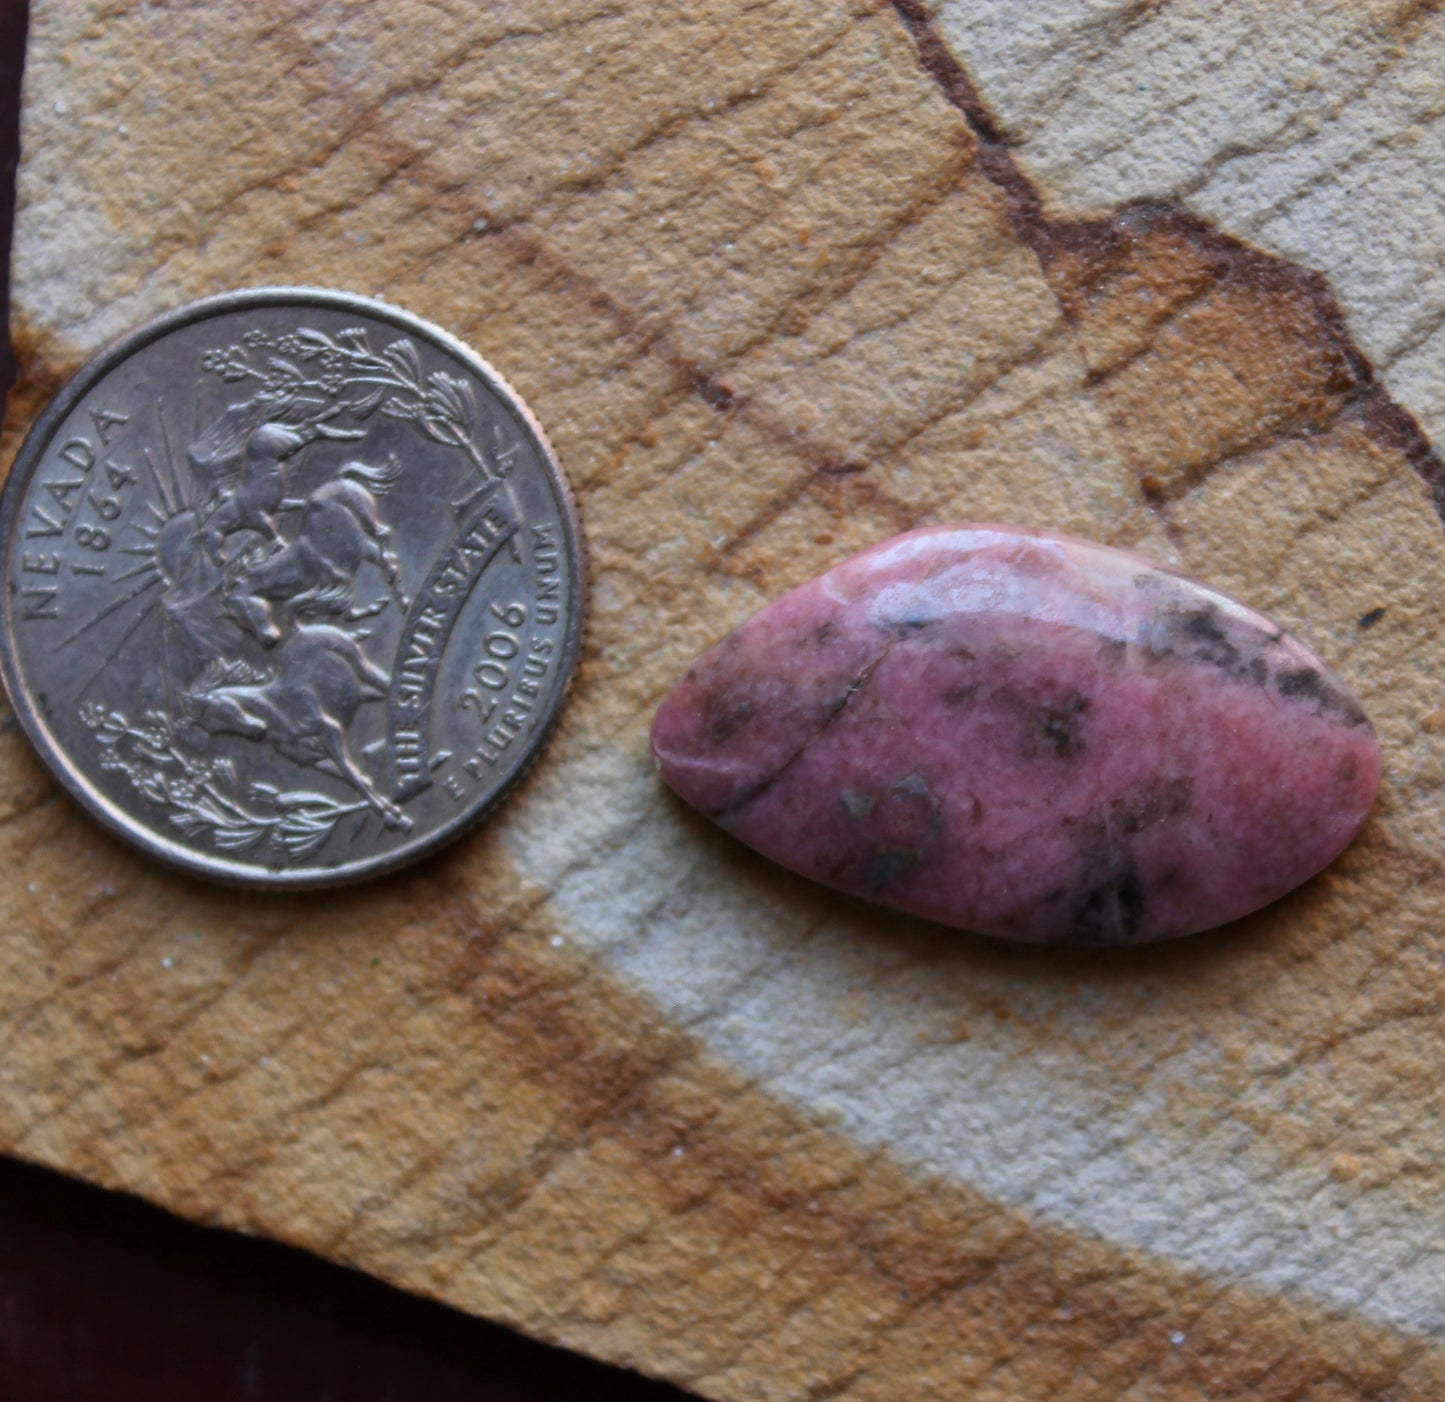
(295, 587)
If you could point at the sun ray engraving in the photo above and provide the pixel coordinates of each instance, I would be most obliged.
(109, 658)
(171, 503)
(177, 494)
(109, 609)
(150, 566)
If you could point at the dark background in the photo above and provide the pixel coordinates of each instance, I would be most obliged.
(12, 57)
(104, 1298)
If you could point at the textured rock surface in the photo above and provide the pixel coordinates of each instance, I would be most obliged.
(1024, 735)
(1317, 135)
(777, 292)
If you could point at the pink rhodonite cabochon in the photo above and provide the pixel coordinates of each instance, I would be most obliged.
(1026, 735)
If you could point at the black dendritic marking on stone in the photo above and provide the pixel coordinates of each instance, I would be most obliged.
(1112, 653)
(961, 695)
(899, 827)
(1059, 729)
(1308, 685)
(913, 625)
(728, 714)
(1112, 910)
(1199, 635)
(1115, 898)
(885, 867)
(1203, 625)
(1202, 636)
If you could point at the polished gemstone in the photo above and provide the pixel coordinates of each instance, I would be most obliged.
(1026, 735)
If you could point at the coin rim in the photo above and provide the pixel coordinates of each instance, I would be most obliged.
(69, 774)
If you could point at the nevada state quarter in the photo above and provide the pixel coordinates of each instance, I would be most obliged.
(295, 589)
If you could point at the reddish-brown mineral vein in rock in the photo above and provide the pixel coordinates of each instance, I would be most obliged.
(1319, 373)
(1026, 735)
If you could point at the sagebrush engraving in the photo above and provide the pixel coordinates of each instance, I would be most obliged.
(200, 795)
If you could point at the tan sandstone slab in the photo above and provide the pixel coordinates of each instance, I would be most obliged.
(777, 290)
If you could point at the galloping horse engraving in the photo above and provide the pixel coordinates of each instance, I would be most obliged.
(303, 707)
(249, 483)
(260, 579)
(315, 572)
